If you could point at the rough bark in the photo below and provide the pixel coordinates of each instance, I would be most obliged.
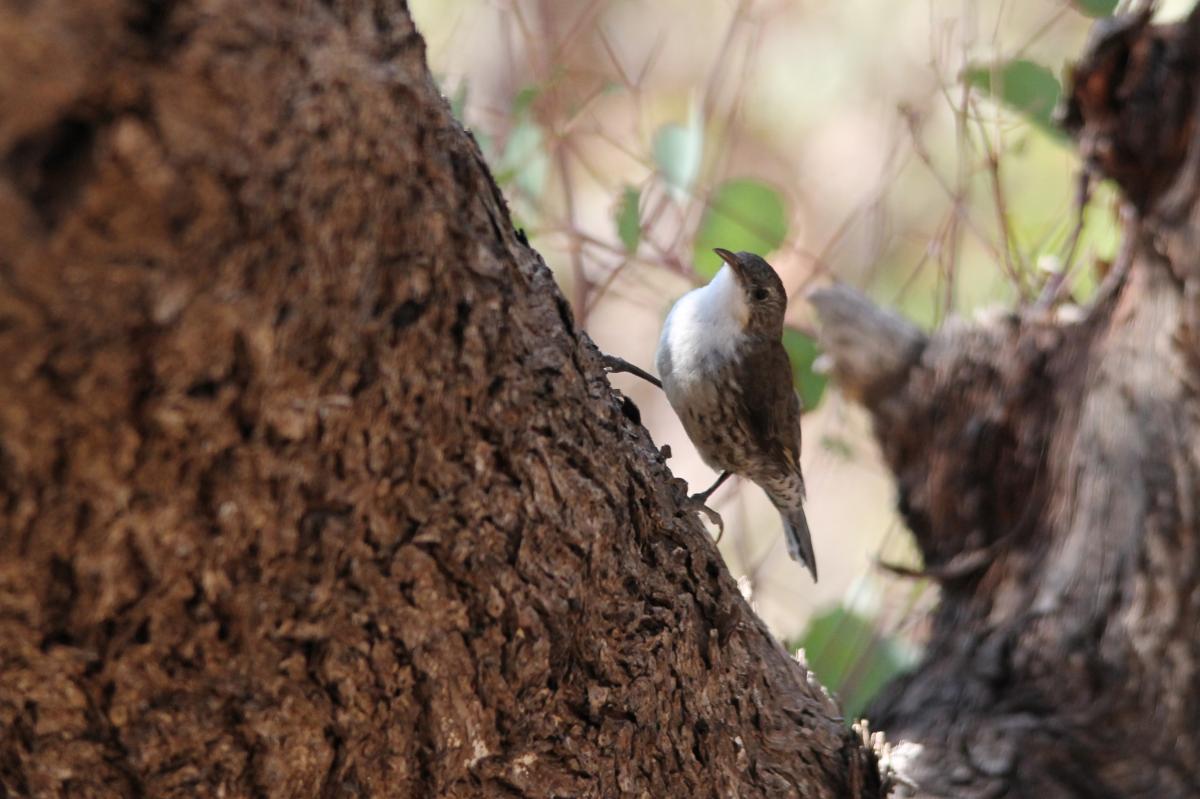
(1049, 467)
(308, 484)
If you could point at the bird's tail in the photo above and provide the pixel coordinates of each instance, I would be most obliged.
(799, 539)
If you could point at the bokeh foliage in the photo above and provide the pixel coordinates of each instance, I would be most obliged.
(627, 166)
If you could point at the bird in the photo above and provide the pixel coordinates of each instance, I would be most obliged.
(728, 377)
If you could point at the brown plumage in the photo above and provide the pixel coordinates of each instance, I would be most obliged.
(728, 377)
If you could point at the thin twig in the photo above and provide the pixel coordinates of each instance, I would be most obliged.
(1016, 270)
(959, 209)
(1058, 283)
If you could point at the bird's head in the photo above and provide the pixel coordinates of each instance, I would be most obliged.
(761, 290)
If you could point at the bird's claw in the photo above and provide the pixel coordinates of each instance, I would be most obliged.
(612, 363)
(696, 502)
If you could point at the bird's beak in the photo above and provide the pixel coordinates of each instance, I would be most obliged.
(734, 262)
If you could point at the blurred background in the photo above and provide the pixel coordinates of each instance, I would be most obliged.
(905, 148)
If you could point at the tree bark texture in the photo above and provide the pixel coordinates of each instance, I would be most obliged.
(1049, 467)
(308, 484)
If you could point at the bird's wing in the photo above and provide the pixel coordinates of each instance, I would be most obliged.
(770, 403)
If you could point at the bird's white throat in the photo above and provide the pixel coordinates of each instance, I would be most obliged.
(707, 323)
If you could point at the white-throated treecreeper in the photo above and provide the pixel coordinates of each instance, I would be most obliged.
(728, 377)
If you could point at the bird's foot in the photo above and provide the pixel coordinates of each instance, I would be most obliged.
(703, 496)
(696, 502)
(614, 364)
(699, 503)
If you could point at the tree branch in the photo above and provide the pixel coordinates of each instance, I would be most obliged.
(872, 349)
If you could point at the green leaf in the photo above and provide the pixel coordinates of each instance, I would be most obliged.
(802, 352)
(677, 152)
(487, 147)
(851, 658)
(524, 161)
(458, 103)
(629, 224)
(742, 215)
(838, 446)
(1024, 86)
(524, 100)
(1096, 8)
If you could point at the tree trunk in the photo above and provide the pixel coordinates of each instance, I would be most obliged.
(1049, 466)
(308, 484)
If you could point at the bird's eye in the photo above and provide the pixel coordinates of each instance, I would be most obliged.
(760, 294)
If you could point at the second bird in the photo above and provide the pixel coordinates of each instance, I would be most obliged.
(728, 377)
